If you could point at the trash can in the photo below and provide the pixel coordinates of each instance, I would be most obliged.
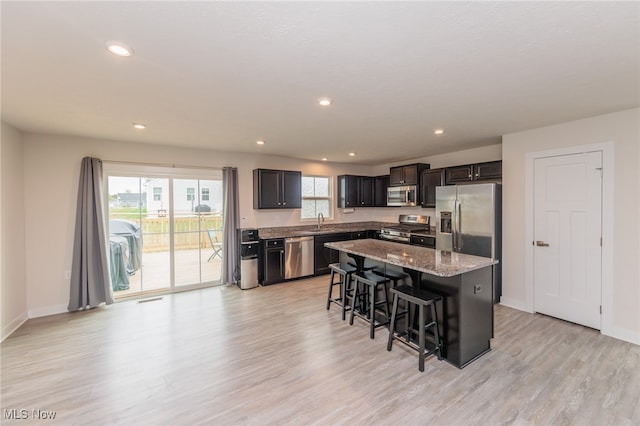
(249, 251)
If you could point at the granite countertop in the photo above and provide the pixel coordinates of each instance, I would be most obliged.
(310, 230)
(435, 262)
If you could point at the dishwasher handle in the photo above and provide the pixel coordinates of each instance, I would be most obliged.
(297, 240)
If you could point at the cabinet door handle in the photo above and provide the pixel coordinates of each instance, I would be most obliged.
(284, 204)
(542, 244)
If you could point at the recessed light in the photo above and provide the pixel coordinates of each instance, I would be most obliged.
(352, 154)
(438, 131)
(324, 159)
(139, 126)
(324, 102)
(260, 142)
(118, 48)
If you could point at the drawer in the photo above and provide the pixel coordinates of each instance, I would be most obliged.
(425, 241)
(274, 243)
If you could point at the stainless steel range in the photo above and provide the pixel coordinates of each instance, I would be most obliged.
(407, 224)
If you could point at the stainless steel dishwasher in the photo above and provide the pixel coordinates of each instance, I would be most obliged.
(298, 253)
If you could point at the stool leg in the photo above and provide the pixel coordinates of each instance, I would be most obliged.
(409, 319)
(392, 323)
(372, 311)
(343, 294)
(387, 312)
(421, 338)
(330, 288)
(354, 296)
(436, 332)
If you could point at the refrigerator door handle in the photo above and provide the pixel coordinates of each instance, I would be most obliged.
(454, 227)
(459, 226)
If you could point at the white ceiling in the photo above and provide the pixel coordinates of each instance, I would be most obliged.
(222, 75)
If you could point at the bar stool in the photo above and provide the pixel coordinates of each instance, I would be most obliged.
(367, 299)
(393, 276)
(422, 299)
(344, 274)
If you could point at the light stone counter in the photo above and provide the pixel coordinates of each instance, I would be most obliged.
(435, 262)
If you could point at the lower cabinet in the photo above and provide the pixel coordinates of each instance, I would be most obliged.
(325, 256)
(273, 261)
(424, 241)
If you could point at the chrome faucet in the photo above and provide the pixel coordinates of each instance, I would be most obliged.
(320, 216)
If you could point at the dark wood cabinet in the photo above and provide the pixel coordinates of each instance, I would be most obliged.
(366, 191)
(459, 174)
(423, 241)
(490, 170)
(273, 263)
(380, 186)
(406, 175)
(430, 179)
(277, 189)
(323, 256)
(355, 191)
(470, 172)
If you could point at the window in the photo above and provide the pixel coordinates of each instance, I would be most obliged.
(157, 194)
(191, 194)
(205, 194)
(316, 197)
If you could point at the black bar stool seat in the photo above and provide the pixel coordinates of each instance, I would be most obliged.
(366, 299)
(344, 273)
(422, 299)
(393, 276)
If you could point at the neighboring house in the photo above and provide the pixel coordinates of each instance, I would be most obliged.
(130, 199)
(187, 196)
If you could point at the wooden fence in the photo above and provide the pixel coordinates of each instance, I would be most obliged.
(190, 232)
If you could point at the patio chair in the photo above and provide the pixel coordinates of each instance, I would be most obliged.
(215, 245)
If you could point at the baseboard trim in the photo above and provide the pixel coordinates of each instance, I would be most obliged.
(47, 310)
(513, 303)
(623, 334)
(13, 325)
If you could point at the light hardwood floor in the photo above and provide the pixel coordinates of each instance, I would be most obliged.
(274, 355)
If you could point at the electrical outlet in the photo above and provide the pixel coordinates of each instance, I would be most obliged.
(67, 275)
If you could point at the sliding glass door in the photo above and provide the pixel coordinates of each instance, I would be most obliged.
(197, 224)
(164, 229)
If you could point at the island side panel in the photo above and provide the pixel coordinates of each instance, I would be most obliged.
(466, 315)
(476, 318)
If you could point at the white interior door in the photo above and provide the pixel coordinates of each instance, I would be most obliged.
(567, 232)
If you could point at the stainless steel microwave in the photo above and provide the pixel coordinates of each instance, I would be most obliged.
(402, 195)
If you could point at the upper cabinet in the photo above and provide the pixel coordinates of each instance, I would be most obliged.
(430, 179)
(355, 191)
(470, 172)
(380, 185)
(406, 175)
(277, 189)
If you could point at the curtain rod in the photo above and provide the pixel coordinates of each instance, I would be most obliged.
(173, 166)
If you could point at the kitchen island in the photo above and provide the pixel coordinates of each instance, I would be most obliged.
(465, 282)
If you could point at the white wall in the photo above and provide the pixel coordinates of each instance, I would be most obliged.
(13, 292)
(52, 166)
(621, 128)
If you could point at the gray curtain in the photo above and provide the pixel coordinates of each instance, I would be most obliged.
(90, 284)
(230, 223)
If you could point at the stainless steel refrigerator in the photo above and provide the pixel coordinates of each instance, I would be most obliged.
(469, 220)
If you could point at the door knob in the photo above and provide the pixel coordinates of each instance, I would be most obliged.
(542, 244)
